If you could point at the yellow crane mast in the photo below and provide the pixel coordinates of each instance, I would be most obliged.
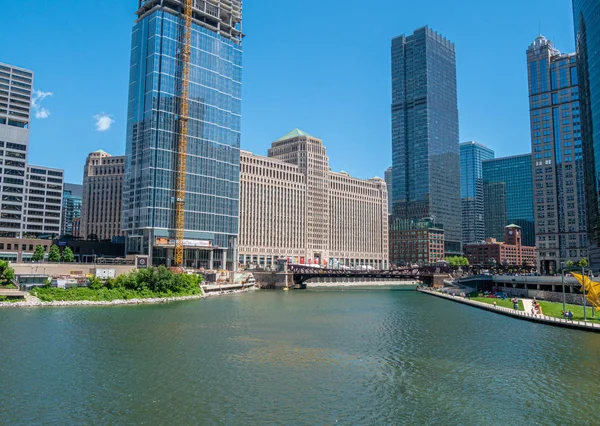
(186, 51)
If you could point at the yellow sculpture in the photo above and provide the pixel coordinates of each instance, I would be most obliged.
(592, 289)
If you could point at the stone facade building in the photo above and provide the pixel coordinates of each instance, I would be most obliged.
(293, 207)
(558, 165)
(102, 196)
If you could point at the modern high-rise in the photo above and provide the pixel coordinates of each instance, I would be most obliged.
(559, 201)
(425, 152)
(508, 197)
(16, 85)
(472, 154)
(72, 197)
(388, 181)
(292, 206)
(101, 205)
(213, 143)
(586, 14)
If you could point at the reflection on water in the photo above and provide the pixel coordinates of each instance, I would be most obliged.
(370, 356)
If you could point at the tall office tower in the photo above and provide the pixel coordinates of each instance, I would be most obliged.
(559, 202)
(388, 182)
(508, 197)
(16, 86)
(471, 190)
(425, 153)
(586, 14)
(101, 205)
(213, 143)
(72, 197)
(43, 202)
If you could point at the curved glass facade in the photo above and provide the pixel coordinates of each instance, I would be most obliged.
(508, 197)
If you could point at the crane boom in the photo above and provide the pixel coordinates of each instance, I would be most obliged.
(183, 134)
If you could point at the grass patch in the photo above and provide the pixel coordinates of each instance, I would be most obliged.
(506, 303)
(50, 294)
(553, 309)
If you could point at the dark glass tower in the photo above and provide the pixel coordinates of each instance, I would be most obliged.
(586, 14)
(213, 146)
(425, 153)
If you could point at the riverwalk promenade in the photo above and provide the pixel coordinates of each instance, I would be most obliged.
(522, 315)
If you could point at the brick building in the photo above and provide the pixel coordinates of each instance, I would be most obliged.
(415, 242)
(509, 253)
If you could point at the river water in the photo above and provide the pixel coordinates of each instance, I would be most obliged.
(299, 358)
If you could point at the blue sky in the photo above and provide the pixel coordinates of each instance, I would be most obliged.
(323, 67)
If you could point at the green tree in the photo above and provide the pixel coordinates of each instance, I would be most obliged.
(583, 262)
(68, 255)
(7, 274)
(54, 254)
(38, 254)
(569, 264)
(94, 283)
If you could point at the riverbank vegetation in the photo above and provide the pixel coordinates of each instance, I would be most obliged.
(506, 303)
(142, 284)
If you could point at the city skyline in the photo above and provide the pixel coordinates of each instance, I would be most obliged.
(345, 136)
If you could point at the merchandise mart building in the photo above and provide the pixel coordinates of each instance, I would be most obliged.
(213, 145)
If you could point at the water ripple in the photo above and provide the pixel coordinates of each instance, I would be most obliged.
(313, 357)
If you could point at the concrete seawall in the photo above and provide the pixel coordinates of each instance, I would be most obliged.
(557, 322)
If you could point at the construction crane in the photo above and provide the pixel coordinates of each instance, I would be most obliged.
(186, 50)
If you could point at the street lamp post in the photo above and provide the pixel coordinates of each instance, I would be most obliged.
(562, 264)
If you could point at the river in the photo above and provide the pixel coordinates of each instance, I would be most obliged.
(324, 357)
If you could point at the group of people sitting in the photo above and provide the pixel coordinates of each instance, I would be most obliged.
(567, 315)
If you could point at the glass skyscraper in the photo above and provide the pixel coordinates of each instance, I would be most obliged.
(508, 197)
(586, 15)
(559, 200)
(471, 190)
(71, 201)
(425, 153)
(213, 146)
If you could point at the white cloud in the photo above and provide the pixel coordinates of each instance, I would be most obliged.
(36, 101)
(103, 122)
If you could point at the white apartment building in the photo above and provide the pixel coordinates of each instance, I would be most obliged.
(31, 195)
(292, 206)
(43, 202)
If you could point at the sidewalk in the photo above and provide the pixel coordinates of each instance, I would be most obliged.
(527, 305)
(523, 315)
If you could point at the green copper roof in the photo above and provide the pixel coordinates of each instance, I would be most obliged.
(294, 134)
(512, 226)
